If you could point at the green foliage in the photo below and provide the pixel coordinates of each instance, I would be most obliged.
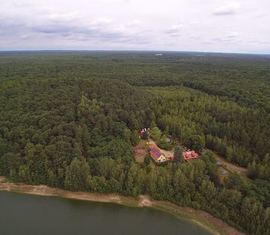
(195, 142)
(147, 160)
(260, 169)
(76, 174)
(165, 143)
(3, 147)
(134, 138)
(155, 133)
(178, 154)
(236, 132)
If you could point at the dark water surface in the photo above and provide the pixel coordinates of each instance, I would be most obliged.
(35, 215)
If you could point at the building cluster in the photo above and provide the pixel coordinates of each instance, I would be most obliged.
(160, 156)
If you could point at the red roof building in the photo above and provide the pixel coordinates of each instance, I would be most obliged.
(190, 154)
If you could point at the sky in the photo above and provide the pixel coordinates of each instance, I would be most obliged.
(239, 26)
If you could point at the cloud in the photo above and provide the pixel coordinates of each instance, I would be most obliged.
(129, 24)
(175, 30)
(232, 38)
(232, 35)
(9, 26)
(68, 26)
(229, 9)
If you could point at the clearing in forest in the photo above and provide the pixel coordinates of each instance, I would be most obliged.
(140, 151)
(230, 166)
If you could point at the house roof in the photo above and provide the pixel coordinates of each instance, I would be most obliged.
(190, 154)
(155, 152)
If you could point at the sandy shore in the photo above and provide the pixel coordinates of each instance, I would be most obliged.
(204, 219)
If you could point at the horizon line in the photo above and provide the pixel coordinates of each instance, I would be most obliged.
(131, 50)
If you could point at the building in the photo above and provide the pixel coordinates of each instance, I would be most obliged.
(144, 131)
(156, 154)
(190, 154)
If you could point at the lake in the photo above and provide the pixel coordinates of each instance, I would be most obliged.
(35, 215)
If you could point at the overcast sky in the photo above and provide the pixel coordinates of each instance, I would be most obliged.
(181, 25)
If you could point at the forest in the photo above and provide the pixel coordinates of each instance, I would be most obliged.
(71, 120)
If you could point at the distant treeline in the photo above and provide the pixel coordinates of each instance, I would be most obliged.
(243, 78)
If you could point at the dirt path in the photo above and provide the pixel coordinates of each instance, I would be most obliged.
(204, 219)
(231, 167)
(140, 151)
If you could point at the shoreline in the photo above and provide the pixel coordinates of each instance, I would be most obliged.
(199, 217)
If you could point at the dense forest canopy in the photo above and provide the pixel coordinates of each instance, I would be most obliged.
(243, 78)
(71, 119)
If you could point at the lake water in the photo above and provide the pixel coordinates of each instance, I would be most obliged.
(35, 215)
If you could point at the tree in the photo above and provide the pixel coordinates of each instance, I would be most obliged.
(164, 143)
(76, 174)
(196, 142)
(147, 160)
(134, 139)
(155, 133)
(178, 154)
(3, 147)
